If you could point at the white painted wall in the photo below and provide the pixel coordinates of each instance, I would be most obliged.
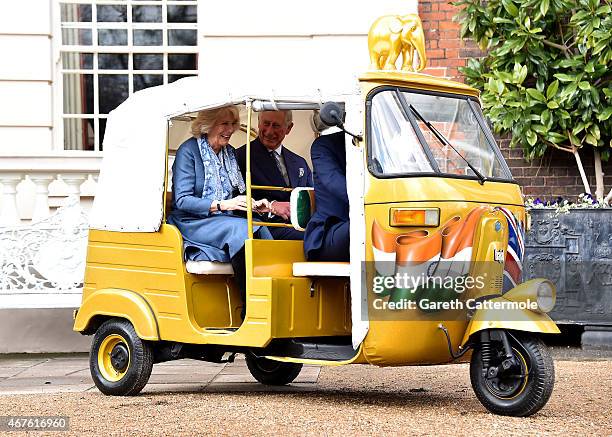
(26, 77)
(40, 331)
(291, 41)
(282, 17)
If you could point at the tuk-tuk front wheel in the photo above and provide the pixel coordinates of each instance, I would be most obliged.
(119, 361)
(517, 387)
(272, 372)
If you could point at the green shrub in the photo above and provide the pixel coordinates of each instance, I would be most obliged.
(546, 78)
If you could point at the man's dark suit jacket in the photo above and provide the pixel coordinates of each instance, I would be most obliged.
(331, 200)
(265, 172)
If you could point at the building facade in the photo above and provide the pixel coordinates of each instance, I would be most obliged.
(67, 64)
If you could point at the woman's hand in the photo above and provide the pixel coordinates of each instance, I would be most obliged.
(237, 203)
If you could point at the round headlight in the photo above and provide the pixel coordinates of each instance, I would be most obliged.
(546, 296)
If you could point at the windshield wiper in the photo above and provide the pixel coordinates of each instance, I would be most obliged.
(443, 140)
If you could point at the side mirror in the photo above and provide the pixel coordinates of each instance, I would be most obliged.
(332, 114)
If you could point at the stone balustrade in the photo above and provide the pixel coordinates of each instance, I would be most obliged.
(42, 249)
(73, 174)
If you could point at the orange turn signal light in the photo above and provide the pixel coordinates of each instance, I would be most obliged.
(414, 217)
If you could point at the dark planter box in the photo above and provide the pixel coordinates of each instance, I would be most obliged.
(574, 251)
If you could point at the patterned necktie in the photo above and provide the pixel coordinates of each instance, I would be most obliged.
(281, 167)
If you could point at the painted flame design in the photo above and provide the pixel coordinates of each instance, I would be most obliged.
(420, 252)
(453, 237)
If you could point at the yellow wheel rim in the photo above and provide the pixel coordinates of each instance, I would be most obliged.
(526, 373)
(523, 385)
(112, 344)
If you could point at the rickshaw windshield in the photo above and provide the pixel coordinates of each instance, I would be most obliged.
(401, 144)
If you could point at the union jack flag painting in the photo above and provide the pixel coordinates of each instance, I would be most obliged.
(513, 267)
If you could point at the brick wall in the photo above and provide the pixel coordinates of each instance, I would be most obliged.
(553, 175)
(446, 52)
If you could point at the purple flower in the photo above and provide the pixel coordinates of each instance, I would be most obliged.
(589, 197)
(538, 201)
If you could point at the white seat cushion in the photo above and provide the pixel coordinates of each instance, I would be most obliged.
(321, 269)
(209, 268)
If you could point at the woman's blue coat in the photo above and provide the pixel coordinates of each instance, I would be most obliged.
(207, 236)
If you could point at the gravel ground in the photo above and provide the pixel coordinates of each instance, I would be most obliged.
(348, 400)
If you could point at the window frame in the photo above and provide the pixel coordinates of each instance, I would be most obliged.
(481, 122)
(129, 49)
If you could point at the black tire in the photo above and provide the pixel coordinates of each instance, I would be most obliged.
(111, 372)
(519, 396)
(272, 372)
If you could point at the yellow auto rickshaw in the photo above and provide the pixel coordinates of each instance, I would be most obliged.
(432, 204)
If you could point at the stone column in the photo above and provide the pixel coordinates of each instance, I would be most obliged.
(41, 202)
(74, 181)
(9, 215)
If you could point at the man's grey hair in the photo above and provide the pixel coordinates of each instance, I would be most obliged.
(288, 115)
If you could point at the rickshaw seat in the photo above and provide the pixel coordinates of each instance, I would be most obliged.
(302, 207)
(209, 268)
(321, 269)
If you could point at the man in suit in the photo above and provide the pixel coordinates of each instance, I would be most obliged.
(327, 233)
(273, 164)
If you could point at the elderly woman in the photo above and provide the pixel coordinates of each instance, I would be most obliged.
(208, 194)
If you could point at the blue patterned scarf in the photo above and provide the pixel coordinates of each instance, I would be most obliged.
(216, 165)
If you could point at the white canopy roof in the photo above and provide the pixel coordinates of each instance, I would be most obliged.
(130, 192)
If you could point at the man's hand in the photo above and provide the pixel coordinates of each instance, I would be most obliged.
(281, 209)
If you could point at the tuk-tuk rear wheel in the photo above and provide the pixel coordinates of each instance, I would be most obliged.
(522, 392)
(272, 372)
(119, 361)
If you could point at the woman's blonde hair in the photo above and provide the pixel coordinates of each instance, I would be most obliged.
(206, 119)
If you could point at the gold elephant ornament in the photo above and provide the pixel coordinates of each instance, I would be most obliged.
(392, 35)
